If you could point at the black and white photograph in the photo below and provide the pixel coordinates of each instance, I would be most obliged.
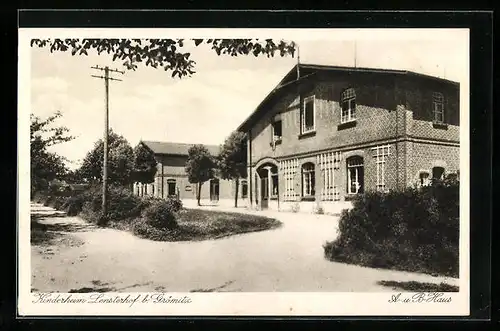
(244, 171)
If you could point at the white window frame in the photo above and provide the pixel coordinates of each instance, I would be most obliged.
(307, 180)
(438, 102)
(381, 152)
(328, 164)
(351, 111)
(303, 128)
(288, 170)
(356, 179)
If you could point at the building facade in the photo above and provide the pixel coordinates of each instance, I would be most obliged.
(325, 134)
(171, 178)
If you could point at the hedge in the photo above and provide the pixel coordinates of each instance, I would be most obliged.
(413, 230)
(123, 205)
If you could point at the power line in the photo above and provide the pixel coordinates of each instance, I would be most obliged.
(106, 78)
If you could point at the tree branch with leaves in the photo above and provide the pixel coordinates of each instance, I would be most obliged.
(46, 166)
(165, 53)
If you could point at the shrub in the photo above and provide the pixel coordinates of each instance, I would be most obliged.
(122, 204)
(414, 230)
(174, 204)
(161, 214)
(48, 200)
(74, 204)
(40, 197)
(58, 202)
(142, 228)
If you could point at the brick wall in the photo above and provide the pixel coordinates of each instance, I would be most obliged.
(426, 156)
(375, 112)
(417, 96)
(394, 111)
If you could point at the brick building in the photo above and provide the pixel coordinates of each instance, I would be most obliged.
(326, 133)
(171, 178)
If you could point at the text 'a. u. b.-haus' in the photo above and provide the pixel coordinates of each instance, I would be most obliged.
(325, 134)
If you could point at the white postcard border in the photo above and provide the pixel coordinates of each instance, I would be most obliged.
(266, 304)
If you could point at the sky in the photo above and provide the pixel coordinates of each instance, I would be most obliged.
(149, 104)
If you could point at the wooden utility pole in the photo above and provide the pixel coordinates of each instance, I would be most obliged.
(106, 78)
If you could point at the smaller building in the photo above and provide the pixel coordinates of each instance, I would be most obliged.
(171, 178)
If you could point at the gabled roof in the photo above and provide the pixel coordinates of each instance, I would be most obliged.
(172, 148)
(308, 70)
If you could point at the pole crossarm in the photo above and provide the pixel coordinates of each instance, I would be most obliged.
(108, 78)
(108, 69)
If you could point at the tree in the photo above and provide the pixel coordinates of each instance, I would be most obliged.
(144, 164)
(199, 167)
(165, 53)
(46, 166)
(232, 160)
(120, 161)
(74, 177)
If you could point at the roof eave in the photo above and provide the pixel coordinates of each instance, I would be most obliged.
(241, 127)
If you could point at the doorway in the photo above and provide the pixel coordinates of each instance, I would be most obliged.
(268, 181)
(214, 189)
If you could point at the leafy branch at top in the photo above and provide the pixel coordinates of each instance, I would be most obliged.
(165, 53)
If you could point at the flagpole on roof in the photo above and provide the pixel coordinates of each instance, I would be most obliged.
(355, 54)
(298, 60)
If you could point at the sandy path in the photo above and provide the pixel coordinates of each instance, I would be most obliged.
(286, 259)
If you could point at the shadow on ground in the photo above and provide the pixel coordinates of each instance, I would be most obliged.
(101, 287)
(49, 234)
(214, 289)
(37, 216)
(413, 286)
(58, 227)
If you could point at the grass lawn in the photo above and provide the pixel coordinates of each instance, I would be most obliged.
(197, 224)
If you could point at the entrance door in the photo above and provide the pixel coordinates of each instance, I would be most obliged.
(214, 190)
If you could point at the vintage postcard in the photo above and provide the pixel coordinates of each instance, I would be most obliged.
(237, 172)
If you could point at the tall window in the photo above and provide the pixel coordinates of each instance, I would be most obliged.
(277, 130)
(171, 186)
(308, 180)
(307, 115)
(329, 164)
(355, 175)
(348, 102)
(288, 169)
(438, 107)
(244, 189)
(380, 154)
